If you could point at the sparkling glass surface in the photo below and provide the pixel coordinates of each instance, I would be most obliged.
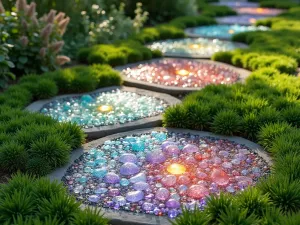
(192, 47)
(203, 166)
(182, 73)
(102, 109)
(240, 19)
(235, 4)
(224, 31)
(259, 11)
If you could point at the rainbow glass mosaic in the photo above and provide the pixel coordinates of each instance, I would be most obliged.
(158, 172)
(182, 73)
(240, 19)
(223, 31)
(193, 47)
(104, 108)
(259, 11)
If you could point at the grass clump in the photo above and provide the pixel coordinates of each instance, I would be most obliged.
(226, 122)
(29, 200)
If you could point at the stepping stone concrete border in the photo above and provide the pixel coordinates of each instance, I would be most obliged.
(171, 89)
(97, 132)
(194, 56)
(128, 218)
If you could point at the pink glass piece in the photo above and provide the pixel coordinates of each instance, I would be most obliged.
(219, 177)
(189, 148)
(197, 191)
(169, 180)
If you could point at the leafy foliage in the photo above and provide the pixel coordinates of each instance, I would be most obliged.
(36, 42)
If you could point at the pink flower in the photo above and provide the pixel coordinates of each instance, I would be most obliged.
(21, 5)
(34, 20)
(57, 46)
(24, 41)
(59, 17)
(2, 10)
(31, 9)
(63, 25)
(61, 60)
(24, 24)
(51, 16)
(43, 52)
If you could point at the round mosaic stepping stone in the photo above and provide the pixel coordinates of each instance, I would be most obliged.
(259, 11)
(222, 31)
(178, 76)
(193, 47)
(205, 164)
(109, 110)
(240, 19)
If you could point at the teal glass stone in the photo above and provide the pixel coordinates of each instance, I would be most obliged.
(83, 179)
(86, 98)
(87, 170)
(138, 146)
(100, 173)
(100, 160)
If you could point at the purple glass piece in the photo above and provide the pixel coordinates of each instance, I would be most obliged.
(148, 206)
(134, 196)
(172, 203)
(113, 192)
(129, 169)
(128, 157)
(167, 143)
(111, 178)
(162, 194)
(141, 186)
(172, 150)
(189, 148)
(138, 177)
(94, 198)
(156, 157)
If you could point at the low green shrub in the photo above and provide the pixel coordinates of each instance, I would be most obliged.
(175, 116)
(226, 122)
(292, 115)
(38, 167)
(225, 57)
(115, 54)
(214, 10)
(253, 201)
(13, 157)
(195, 217)
(52, 149)
(288, 166)
(192, 21)
(198, 115)
(278, 4)
(287, 143)
(283, 193)
(27, 200)
(45, 89)
(90, 216)
(269, 132)
(234, 215)
(216, 205)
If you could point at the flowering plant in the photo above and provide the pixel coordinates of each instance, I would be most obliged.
(36, 41)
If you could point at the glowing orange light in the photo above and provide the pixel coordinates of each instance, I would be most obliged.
(195, 46)
(260, 10)
(105, 108)
(231, 31)
(252, 20)
(176, 169)
(182, 72)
